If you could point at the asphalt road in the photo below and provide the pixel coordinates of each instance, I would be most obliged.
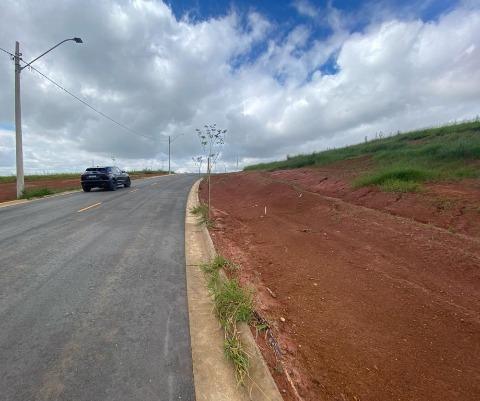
(93, 299)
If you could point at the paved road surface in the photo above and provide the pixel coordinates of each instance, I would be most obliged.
(93, 303)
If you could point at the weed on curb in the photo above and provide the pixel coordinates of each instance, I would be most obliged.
(232, 304)
(201, 211)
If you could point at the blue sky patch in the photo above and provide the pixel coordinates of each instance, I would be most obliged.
(330, 67)
(8, 126)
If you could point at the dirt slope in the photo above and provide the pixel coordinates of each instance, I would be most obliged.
(376, 306)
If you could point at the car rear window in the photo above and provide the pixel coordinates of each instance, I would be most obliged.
(100, 169)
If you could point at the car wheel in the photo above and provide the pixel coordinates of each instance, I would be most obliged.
(128, 183)
(85, 188)
(113, 185)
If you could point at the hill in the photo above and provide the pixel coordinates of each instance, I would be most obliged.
(402, 162)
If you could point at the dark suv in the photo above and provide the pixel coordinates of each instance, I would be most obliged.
(104, 177)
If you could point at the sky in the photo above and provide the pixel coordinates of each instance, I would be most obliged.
(282, 77)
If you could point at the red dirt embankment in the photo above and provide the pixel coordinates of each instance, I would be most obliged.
(454, 206)
(377, 307)
(8, 190)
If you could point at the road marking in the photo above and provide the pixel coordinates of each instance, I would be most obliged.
(134, 190)
(155, 183)
(89, 207)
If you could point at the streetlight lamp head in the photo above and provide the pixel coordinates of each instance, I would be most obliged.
(78, 40)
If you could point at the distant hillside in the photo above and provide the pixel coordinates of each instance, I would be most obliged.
(403, 161)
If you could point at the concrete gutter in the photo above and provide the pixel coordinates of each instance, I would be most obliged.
(213, 374)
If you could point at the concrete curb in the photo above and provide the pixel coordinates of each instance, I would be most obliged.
(213, 374)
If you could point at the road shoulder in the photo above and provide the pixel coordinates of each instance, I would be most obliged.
(214, 376)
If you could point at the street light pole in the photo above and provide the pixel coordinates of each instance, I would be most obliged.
(18, 124)
(170, 140)
(18, 112)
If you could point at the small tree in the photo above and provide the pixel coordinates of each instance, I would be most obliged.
(211, 138)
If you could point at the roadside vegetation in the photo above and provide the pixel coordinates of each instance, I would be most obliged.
(39, 177)
(147, 171)
(201, 212)
(41, 192)
(233, 305)
(402, 162)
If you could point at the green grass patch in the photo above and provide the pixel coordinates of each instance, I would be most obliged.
(450, 152)
(235, 352)
(41, 177)
(36, 193)
(396, 179)
(147, 171)
(394, 185)
(41, 192)
(201, 211)
(233, 304)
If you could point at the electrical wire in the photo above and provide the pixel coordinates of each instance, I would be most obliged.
(89, 106)
(6, 51)
(123, 126)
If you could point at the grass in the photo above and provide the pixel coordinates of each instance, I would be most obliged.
(402, 162)
(40, 177)
(201, 211)
(147, 171)
(36, 193)
(232, 304)
(396, 179)
(41, 192)
(394, 185)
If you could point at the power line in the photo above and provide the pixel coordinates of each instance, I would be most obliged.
(88, 105)
(123, 126)
(6, 51)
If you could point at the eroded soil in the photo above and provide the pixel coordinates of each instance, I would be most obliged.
(377, 305)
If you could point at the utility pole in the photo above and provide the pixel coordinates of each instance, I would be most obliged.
(169, 154)
(170, 140)
(18, 111)
(18, 124)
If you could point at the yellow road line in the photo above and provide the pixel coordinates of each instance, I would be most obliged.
(89, 207)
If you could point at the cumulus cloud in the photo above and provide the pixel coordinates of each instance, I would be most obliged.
(161, 75)
(305, 8)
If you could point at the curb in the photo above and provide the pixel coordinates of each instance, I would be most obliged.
(213, 374)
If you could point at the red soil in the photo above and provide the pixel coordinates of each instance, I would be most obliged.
(453, 206)
(8, 190)
(377, 305)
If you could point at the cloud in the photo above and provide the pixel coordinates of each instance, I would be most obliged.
(305, 8)
(161, 75)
